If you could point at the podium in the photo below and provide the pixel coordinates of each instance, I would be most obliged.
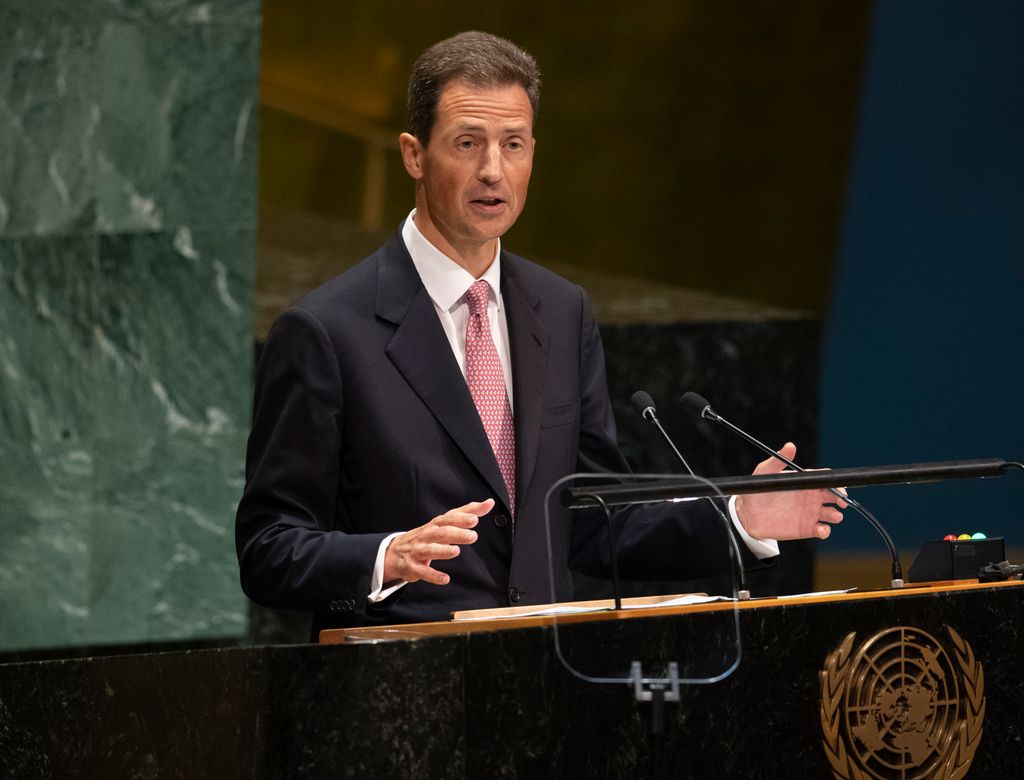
(490, 699)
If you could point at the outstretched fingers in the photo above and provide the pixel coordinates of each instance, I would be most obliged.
(409, 556)
(417, 570)
(774, 465)
(830, 515)
(828, 497)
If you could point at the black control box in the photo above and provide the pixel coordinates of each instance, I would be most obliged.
(959, 560)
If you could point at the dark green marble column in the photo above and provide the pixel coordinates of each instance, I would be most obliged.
(127, 223)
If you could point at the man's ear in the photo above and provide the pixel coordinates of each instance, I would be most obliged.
(412, 155)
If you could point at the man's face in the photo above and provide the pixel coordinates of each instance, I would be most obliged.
(473, 177)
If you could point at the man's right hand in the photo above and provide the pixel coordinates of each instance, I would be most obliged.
(409, 555)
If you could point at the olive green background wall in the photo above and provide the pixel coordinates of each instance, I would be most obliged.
(698, 143)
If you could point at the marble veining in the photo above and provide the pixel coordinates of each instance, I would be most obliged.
(127, 223)
(483, 705)
(127, 118)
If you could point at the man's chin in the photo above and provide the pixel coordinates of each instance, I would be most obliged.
(488, 228)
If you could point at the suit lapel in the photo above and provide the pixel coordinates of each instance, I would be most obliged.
(528, 343)
(420, 351)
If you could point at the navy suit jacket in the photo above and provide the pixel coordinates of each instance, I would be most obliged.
(363, 425)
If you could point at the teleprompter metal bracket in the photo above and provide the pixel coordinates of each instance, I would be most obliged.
(657, 691)
(665, 689)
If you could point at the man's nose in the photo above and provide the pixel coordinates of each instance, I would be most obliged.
(490, 165)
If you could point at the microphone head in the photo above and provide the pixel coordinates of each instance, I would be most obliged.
(643, 402)
(695, 404)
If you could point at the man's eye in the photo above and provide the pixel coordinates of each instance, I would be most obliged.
(465, 144)
(515, 146)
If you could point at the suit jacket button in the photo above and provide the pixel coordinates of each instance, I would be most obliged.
(334, 606)
(513, 595)
(500, 520)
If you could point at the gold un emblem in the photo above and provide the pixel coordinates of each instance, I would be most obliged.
(901, 706)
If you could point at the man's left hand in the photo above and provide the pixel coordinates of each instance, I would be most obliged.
(798, 515)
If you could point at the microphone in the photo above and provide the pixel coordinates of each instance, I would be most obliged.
(644, 404)
(700, 407)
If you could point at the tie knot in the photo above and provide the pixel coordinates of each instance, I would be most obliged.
(477, 296)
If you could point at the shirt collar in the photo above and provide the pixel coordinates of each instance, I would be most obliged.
(445, 280)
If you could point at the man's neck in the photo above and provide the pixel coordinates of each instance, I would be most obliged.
(476, 258)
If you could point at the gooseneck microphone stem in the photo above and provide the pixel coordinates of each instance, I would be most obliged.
(700, 407)
(612, 558)
(644, 404)
(671, 443)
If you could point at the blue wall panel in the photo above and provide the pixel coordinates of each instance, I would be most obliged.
(923, 354)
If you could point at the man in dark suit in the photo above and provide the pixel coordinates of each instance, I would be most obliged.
(411, 415)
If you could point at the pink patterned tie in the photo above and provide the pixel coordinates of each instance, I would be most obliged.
(487, 386)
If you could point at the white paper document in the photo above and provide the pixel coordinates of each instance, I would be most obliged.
(819, 593)
(681, 601)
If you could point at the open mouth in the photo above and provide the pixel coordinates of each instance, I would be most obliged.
(488, 201)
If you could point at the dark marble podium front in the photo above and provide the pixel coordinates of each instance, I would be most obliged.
(484, 704)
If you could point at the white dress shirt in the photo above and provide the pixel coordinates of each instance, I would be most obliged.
(446, 283)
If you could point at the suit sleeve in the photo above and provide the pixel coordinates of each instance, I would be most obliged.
(291, 554)
(669, 541)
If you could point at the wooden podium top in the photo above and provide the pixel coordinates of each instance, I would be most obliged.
(513, 617)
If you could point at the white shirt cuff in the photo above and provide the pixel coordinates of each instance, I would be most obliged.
(377, 577)
(762, 548)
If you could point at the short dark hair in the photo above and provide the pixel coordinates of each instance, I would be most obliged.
(477, 58)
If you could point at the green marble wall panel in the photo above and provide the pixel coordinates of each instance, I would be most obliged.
(184, 92)
(47, 123)
(118, 124)
(127, 223)
(46, 463)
